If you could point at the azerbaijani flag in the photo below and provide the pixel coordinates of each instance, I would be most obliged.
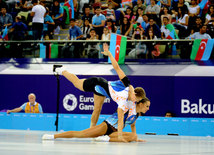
(118, 48)
(172, 49)
(202, 49)
(172, 35)
(70, 5)
(123, 2)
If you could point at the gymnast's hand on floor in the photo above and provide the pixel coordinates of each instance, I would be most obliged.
(106, 50)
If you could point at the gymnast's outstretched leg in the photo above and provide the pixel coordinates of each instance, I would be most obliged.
(78, 83)
(95, 131)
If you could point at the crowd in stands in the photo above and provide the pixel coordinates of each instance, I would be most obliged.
(136, 19)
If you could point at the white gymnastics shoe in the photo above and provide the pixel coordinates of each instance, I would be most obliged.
(47, 137)
(105, 138)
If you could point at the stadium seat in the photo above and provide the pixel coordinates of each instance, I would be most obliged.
(25, 14)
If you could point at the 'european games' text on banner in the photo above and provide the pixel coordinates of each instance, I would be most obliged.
(202, 49)
(118, 48)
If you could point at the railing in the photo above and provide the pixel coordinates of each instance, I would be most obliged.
(136, 49)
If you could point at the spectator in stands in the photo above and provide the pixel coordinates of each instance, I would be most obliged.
(153, 9)
(106, 35)
(126, 27)
(96, 4)
(164, 31)
(195, 28)
(209, 14)
(138, 34)
(5, 19)
(116, 3)
(48, 25)
(2, 5)
(194, 11)
(145, 22)
(151, 35)
(82, 4)
(18, 7)
(98, 22)
(165, 3)
(87, 15)
(110, 12)
(86, 29)
(182, 24)
(154, 27)
(129, 14)
(110, 24)
(74, 31)
(57, 16)
(179, 4)
(201, 34)
(139, 15)
(18, 30)
(29, 107)
(38, 13)
(168, 114)
(139, 5)
(153, 50)
(210, 27)
(166, 14)
(93, 47)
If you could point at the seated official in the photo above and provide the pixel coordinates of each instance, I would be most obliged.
(29, 107)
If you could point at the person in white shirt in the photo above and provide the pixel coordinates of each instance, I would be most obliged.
(164, 31)
(201, 34)
(209, 13)
(38, 13)
(182, 23)
(194, 11)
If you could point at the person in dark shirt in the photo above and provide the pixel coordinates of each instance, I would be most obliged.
(154, 27)
(210, 27)
(19, 29)
(87, 15)
(196, 28)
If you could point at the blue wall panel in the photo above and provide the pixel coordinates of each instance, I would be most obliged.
(78, 122)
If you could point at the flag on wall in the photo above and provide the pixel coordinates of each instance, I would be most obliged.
(53, 50)
(202, 49)
(118, 48)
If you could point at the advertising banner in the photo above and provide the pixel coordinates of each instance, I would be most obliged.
(185, 96)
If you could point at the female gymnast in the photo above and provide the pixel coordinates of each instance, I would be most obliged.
(120, 91)
(109, 127)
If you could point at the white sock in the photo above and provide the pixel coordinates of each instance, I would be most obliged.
(60, 70)
(105, 138)
(47, 137)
